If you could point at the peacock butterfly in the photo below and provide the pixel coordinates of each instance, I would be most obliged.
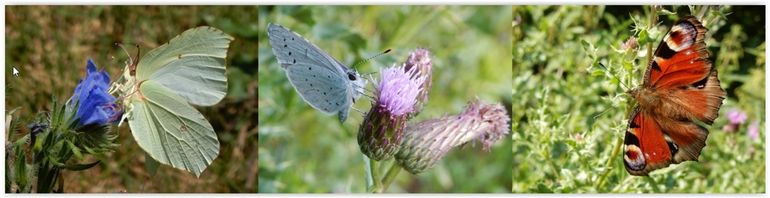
(680, 88)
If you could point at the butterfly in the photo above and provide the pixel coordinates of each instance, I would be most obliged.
(323, 82)
(160, 88)
(680, 89)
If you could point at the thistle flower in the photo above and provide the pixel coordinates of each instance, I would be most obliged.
(94, 105)
(736, 117)
(420, 59)
(427, 142)
(395, 96)
(631, 43)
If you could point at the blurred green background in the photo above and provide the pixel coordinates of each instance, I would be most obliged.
(304, 150)
(50, 45)
(570, 113)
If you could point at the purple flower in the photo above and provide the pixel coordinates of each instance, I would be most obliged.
(395, 97)
(398, 89)
(736, 116)
(94, 104)
(754, 130)
(427, 142)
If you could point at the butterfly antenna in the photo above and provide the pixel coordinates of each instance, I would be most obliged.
(370, 58)
(138, 51)
(600, 114)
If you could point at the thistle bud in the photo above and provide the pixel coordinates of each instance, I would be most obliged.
(427, 142)
(420, 59)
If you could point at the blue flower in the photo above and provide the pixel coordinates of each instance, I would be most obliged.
(95, 104)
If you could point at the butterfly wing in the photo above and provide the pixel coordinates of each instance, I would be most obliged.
(170, 130)
(686, 85)
(682, 71)
(648, 146)
(189, 69)
(191, 65)
(319, 79)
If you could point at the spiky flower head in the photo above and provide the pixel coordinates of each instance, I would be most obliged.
(427, 142)
(395, 96)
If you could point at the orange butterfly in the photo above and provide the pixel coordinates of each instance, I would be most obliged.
(680, 87)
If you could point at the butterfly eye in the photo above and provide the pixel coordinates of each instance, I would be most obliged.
(351, 76)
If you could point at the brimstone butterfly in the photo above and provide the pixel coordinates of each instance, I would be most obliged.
(159, 90)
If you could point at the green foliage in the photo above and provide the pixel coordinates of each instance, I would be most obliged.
(49, 44)
(569, 83)
(304, 150)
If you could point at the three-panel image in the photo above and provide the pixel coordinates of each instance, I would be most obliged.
(385, 99)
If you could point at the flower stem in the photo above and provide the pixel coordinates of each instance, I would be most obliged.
(615, 152)
(392, 173)
(375, 175)
(653, 20)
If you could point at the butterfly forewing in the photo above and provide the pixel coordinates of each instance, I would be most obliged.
(290, 49)
(191, 65)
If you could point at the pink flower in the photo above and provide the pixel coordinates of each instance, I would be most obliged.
(736, 116)
(754, 130)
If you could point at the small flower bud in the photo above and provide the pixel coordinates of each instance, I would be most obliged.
(420, 59)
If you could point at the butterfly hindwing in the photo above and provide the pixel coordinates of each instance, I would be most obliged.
(171, 130)
(315, 87)
(654, 143)
(646, 146)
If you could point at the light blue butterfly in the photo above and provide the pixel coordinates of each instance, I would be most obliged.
(322, 81)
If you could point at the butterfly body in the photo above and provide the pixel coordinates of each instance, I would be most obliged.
(680, 90)
(323, 82)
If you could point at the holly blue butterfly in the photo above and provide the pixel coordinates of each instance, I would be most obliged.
(322, 81)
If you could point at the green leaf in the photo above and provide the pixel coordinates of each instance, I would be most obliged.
(80, 167)
(75, 149)
(150, 164)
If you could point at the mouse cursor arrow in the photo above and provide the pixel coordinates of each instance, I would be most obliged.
(15, 72)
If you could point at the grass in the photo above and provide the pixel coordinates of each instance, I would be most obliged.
(572, 115)
(50, 45)
(304, 150)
